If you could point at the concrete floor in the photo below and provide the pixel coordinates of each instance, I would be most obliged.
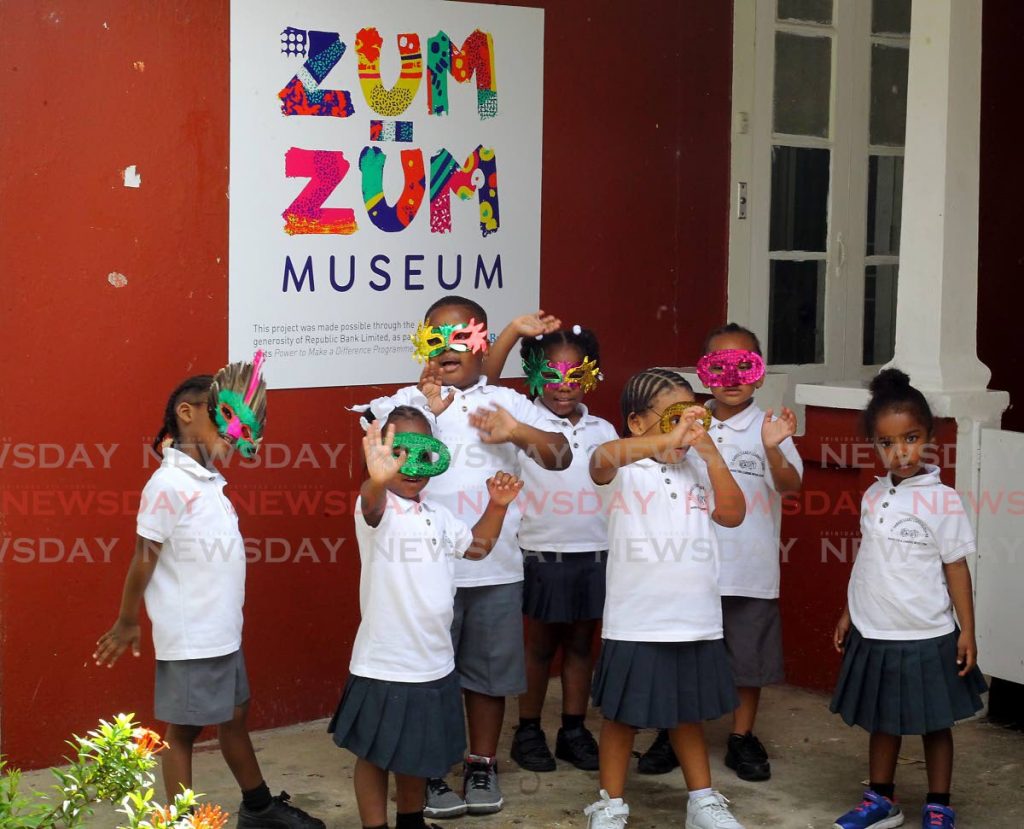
(818, 772)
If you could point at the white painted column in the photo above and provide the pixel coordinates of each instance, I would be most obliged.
(937, 302)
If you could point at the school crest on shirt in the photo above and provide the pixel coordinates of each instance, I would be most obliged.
(911, 530)
(698, 497)
(747, 463)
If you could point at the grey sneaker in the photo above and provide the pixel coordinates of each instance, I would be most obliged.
(442, 802)
(483, 794)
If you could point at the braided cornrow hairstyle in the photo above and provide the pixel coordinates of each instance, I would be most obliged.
(585, 341)
(193, 390)
(642, 388)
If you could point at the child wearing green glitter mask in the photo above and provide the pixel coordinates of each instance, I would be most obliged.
(485, 426)
(564, 539)
(401, 709)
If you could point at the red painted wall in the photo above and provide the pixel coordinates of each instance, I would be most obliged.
(635, 204)
(1000, 248)
(821, 529)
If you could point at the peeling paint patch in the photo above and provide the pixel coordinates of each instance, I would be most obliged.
(132, 177)
(118, 280)
(139, 66)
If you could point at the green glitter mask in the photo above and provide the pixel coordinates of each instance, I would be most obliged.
(420, 451)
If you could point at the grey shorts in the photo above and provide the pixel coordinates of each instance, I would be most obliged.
(200, 691)
(487, 633)
(753, 638)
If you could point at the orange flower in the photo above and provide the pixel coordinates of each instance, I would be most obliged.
(160, 816)
(147, 742)
(208, 816)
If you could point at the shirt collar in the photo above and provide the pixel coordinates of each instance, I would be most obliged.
(407, 505)
(740, 421)
(550, 415)
(481, 386)
(179, 460)
(928, 478)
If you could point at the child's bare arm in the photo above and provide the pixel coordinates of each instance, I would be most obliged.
(958, 581)
(529, 325)
(503, 489)
(773, 432)
(382, 466)
(730, 505)
(550, 450)
(125, 631)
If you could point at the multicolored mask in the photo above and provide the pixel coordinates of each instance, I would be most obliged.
(671, 416)
(541, 372)
(731, 367)
(420, 454)
(430, 341)
(238, 404)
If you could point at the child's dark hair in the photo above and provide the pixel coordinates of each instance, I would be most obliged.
(194, 390)
(732, 328)
(585, 341)
(642, 388)
(477, 311)
(891, 392)
(406, 413)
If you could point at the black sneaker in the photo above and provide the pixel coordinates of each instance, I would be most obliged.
(747, 757)
(280, 814)
(659, 758)
(578, 746)
(530, 749)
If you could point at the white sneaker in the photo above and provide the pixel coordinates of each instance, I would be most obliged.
(607, 813)
(710, 812)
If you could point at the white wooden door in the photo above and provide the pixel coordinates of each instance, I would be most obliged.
(999, 574)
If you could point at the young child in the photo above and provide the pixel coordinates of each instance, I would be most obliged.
(663, 662)
(763, 459)
(484, 426)
(907, 668)
(401, 710)
(189, 566)
(564, 538)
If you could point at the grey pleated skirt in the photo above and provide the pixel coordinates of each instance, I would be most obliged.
(663, 684)
(412, 728)
(905, 686)
(563, 587)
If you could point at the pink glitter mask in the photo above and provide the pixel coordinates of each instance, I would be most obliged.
(731, 367)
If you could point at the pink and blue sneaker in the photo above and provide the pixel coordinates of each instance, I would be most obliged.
(936, 816)
(875, 811)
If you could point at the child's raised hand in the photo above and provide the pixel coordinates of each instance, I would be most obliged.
(495, 425)
(840, 632)
(503, 488)
(535, 324)
(113, 643)
(773, 432)
(966, 653)
(381, 463)
(430, 387)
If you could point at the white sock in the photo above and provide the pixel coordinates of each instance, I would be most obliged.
(697, 794)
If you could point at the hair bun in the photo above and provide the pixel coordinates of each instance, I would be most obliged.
(889, 380)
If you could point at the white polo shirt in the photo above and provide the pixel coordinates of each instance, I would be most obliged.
(662, 580)
(195, 596)
(562, 511)
(750, 552)
(908, 531)
(407, 591)
(463, 488)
